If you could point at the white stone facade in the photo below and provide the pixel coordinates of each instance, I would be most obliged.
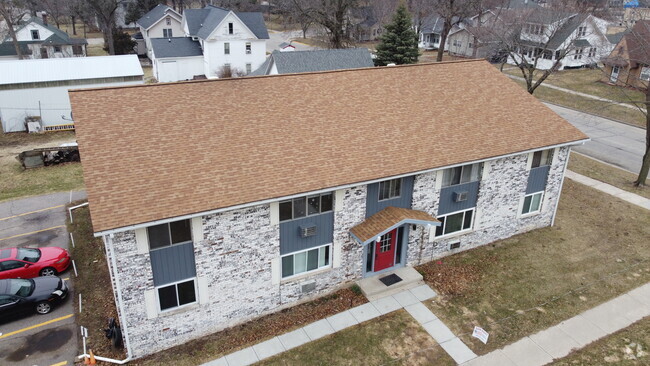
(238, 254)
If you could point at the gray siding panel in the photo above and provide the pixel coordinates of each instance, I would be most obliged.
(373, 205)
(537, 179)
(173, 263)
(447, 203)
(292, 241)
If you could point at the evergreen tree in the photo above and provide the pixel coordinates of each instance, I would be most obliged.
(399, 43)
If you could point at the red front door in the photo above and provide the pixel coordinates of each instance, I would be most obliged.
(385, 251)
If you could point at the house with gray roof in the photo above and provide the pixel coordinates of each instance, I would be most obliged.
(38, 40)
(229, 42)
(317, 60)
(160, 22)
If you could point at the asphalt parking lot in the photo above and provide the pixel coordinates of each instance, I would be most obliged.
(50, 339)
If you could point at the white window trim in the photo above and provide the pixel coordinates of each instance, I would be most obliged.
(455, 233)
(462, 167)
(401, 184)
(531, 213)
(307, 207)
(307, 273)
(196, 295)
(170, 236)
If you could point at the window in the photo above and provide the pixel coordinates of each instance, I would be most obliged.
(35, 34)
(457, 43)
(248, 68)
(547, 55)
(165, 235)
(167, 33)
(168, 21)
(9, 265)
(542, 158)
(57, 48)
(645, 73)
(226, 48)
(582, 31)
(471, 45)
(455, 223)
(537, 29)
(462, 174)
(77, 50)
(578, 54)
(231, 28)
(305, 206)
(390, 189)
(248, 48)
(305, 261)
(532, 203)
(30, 255)
(177, 294)
(436, 38)
(592, 52)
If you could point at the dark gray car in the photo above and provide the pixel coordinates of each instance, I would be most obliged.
(27, 295)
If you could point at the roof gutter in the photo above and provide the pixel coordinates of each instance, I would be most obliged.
(329, 189)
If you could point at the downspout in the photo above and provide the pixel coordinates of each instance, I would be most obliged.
(566, 162)
(109, 247)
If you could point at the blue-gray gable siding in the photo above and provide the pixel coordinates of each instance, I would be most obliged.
(447, 194)
(291, 240)
(173, 263)
(537, 179)
(373, 205)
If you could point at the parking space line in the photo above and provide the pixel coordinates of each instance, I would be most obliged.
(33, 232)
(62, 363)
(30, 212)
(36, 326)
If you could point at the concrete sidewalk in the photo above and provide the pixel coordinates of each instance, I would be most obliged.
(558, 341)
(584, 95)
(630, 197)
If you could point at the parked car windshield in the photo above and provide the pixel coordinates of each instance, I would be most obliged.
(21, 287)
(28, 255)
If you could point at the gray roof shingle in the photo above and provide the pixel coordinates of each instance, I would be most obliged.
(152, 16)
(175, 47)
(255, 22)
(202, 22)
(317, 60)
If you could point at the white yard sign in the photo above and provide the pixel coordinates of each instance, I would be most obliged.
(481, 334)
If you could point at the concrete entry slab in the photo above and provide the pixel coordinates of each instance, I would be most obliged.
(294, 339)
(386, 305)
(342, 320)
(318, 329)
(364, 312)
(581, 330)
(555, 342)
(458, 350)
(244, 357)
(526, 353)
(375, 289)
(268, 348)
(438, 330)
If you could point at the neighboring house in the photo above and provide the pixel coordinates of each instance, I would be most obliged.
(160, 22)
(629, 62)
(582, 37)
(38, 89)
(40, 40)
(286, 47)
(317, 60)
(255, 209)
(472, 37)
(430, 32)
(363, 24)
(175, 59)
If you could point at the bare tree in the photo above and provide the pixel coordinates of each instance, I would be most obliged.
(12, 11)
(453, 12)
(56, 9)
(104, 11)
(331, 14)
(420, 9)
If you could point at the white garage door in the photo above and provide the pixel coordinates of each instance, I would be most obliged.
(168, 71)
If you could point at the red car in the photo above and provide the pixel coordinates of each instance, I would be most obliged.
(33, 262)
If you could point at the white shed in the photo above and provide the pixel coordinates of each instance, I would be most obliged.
(39, 88)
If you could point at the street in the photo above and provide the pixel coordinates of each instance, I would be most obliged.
(39, 339)
(612, 142)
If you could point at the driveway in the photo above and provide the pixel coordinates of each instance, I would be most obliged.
(39, 339)
(276, 37)
(613, 142)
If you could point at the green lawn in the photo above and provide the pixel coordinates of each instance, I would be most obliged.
(620, 178)
(627, 347)
(597, 250)
(391, 339)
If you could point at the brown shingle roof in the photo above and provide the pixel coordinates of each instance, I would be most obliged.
(162, 151)
(387, 218)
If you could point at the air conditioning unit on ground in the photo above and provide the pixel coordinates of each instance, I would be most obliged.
(460, 196)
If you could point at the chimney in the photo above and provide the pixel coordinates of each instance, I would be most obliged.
(44, 16)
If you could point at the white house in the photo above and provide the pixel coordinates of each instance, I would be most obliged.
(39, 40)
(174, 59)
(160, 22)
(38, 89)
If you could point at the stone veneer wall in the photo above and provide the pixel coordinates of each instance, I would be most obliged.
(239, 247)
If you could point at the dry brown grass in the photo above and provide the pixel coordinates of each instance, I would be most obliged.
(620, 178)
(597, 250)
